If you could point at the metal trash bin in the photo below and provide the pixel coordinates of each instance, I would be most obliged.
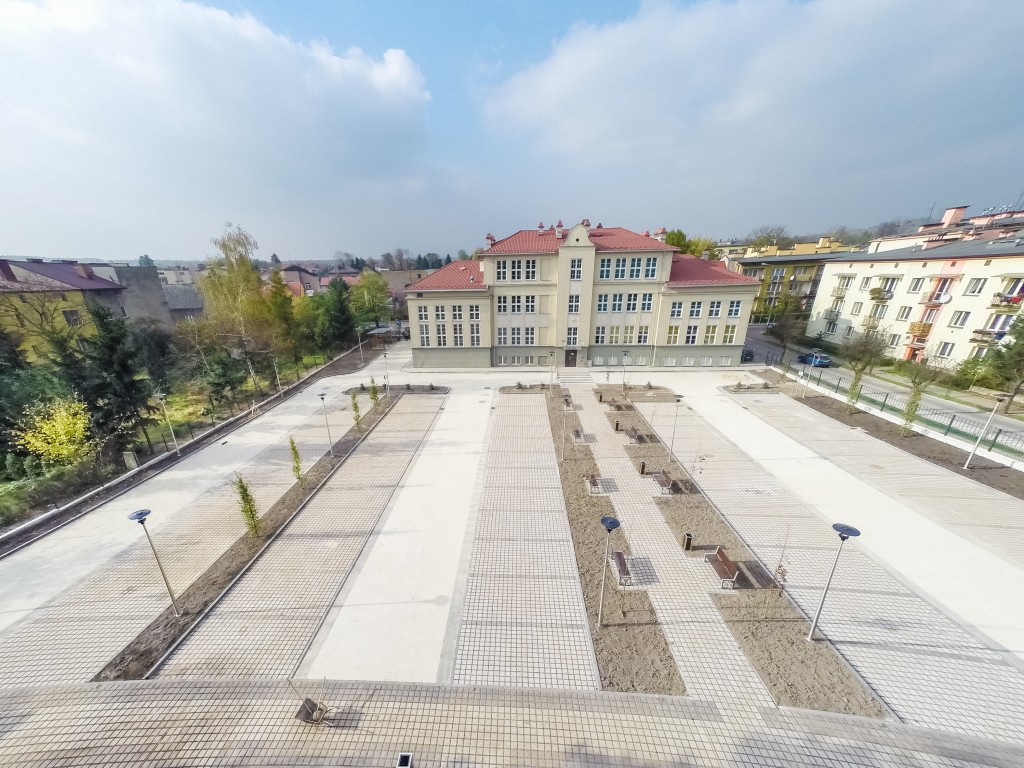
(687, 542)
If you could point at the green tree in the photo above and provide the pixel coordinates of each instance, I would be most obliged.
(57, 432)
(770, 234)
(296, 460)
(247, 504)
(789, 322)
(156, 349)
(224, 375)
(374, 392)
(448, 259)
(677, 238)
(146, 261)
(334, 325)
(355, 410)
(275, 259)
(462, 255)
(1007, 360)
(282, 314)
(370, 299)
(861, 352)
(920, 374)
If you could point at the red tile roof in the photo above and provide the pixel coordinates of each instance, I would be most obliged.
(689, 270)
(461, 275)
(603, 238)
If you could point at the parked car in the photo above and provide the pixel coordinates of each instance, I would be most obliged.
(815, 359)
(746, 355)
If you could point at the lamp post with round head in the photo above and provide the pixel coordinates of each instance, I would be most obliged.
(330, 442)
(845, 532)
(675, 420)
(140, 516)
(163, 404)
(625, 361)
(387, 386)
(1000, 398)
(610, 524)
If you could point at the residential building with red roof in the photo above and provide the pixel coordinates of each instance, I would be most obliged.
(583, 295)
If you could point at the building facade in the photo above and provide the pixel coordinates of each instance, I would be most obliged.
(947, 303)
(583, 295)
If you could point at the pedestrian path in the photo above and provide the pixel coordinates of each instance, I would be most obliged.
(923, 665)
(709, 660)
(523, 623)
(72, 636)
(264, 624)
(204, 723)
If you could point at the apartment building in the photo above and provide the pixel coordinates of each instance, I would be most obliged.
(948, 303)
(954, 226)
(594, 296)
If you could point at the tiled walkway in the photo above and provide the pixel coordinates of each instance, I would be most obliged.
(523, 620)
(74, 635)
(923, 665)
(252, 723)
(710, 662)
(263, 625)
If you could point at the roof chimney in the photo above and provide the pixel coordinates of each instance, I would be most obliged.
(585, 222)
(541, 225)
(489, 238)
(558, 229)
(6, 272)
(953, 216)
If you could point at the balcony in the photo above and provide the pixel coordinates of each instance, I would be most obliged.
(986, 336)
(917, 343)
(1005, 303)
(831, 314)
(869, 322)
(839, 293)
(880, 294)
(919, 329)
(938, 297)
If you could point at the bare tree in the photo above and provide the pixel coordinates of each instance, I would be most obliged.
(919, 374)
(861, 352)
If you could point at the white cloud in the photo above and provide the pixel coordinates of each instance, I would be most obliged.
(731, 114)
(122, 119)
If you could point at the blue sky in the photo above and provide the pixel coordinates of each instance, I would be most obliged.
(143, 127)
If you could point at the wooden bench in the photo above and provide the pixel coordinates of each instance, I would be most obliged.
(726, 569)
(594, 484)
(632, 434)
(577, 436)
(664, 481)
(625, 577)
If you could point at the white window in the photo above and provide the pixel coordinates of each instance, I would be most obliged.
(975, 286)
(830, 327)
(668, 362)
(620, 269)
(707, 360)
(502, 305)
(613, 335)
(517, 305)
(517, 269)
(424, 335)
(890, 283)
(442, 336)
(916, 285)
(627, 334)
(778, 273)
(517, 337)
(651, 267)
(857, 307)
(423, 313)
(634, 268)
(904, 313)
(605, 269)
(930, 315)
(959, 319)
(673, 335)
(725, 360)
(945, 349)
(529, 336)
(574, 303)
(503, 337)
(502, 360)
(688, 361)
(1000, 322)
(457, 339)
(677, 309)
(456, 312)
(734, 308)
(616, 302)
(474, 334)
(439, 312)
(531, 269)
(599, 334)
(1013, 287)
(602, 302)
(691, 334)
(696, 307)
(894, 339)
(849, 331)
(642, 333)
(710, 333)
(729, 335)
(572, 337)
(501, 270)
(646, 302)
(530, 304)
(474, 311)
(631, 302)
(865, 283)
(878, 311)
(714, 309)
(846, 281)
(576, 269)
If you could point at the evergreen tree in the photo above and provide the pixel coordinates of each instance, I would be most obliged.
(334, 324)
(1007, 360)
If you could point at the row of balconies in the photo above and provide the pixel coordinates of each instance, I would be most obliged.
(1007, 303)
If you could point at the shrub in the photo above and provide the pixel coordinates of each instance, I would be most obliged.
(32, 466)
(14, 467)
(296, 460)
(247, 503)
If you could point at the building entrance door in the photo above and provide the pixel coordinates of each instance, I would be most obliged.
(570, 358)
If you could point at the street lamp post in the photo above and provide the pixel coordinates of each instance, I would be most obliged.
(163, 404)
(565, 407)
(845, 532)
(330, 442)
(625, 355)
(360, 340)
(984, 431)
(675, 420)
(277, 374)
(140, 516)
(387, 386)
(807, 380)
(610, 524)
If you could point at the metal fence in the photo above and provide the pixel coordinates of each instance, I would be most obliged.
(966, 427)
